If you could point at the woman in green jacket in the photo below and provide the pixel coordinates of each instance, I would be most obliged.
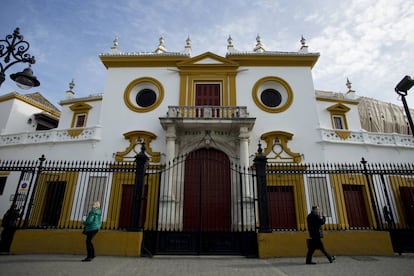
(92, 225)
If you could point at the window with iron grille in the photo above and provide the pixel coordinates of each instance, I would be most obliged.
(319, 194)
(95, 192)
(2, 184)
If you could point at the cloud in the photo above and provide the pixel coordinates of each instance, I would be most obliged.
(364, 39)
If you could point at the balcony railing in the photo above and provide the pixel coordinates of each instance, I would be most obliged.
(372, 138)
(207, 112)
(50, 136)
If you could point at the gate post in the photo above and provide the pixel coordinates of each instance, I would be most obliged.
(140, 166)
(260, 162)
(371, 194)
(30, 205)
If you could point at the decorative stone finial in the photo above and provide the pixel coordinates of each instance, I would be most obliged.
(350, 93)
(187, 48)
(69, 93)
(303, 41)
(304, 47)
(161, 46)
(230, 46)
(259, 46)
(114, 48)
(229, 42)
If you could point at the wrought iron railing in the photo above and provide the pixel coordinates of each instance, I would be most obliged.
(206, 112)
(52, 194)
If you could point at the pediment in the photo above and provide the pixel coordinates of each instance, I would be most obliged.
(207, 59)
(338, 108)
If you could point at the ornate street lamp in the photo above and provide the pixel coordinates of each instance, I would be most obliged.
(402, 88)
(13, 49)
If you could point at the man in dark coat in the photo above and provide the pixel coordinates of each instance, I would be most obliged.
(315, 222)
(9, 227)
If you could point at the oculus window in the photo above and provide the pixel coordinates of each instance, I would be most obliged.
(143, 94)
(272, 94)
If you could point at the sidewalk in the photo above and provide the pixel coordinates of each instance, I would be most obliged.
(204, 265)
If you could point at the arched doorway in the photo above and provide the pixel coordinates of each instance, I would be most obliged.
(207, 200)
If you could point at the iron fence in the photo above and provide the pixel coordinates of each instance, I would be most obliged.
(58, 194)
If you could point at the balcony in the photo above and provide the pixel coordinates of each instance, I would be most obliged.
(207, 116)
(369, 138)
(51, 136)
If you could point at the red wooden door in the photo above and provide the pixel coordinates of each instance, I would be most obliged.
(55, 194)
(207, 94)
(281, 201)
(407, 197)
(355, 206)
(207, 204)
(126, 206)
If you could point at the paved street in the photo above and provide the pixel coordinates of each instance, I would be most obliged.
(203, 265)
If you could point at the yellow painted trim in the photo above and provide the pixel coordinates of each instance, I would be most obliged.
(136, 138)
(4, 173)
(79, 109)
(339, 110)
(22, 98)
(136, 82)
(283, 137)
(233, 95)
(112, 243)
(293, 244)
(44, 178)
(343, 134)
(193, 71)
(255, 92)
(80, 100)
(74, 132)
(398, 181)
(221, 63)
(114, 209)
(121, 61)
(339, 101)
(297, 182)
(337, 180)
(81, 106)
(183, 90)
(264, 59)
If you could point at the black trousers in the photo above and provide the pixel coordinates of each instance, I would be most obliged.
(7, 238)
(312, 246)
(89, 245)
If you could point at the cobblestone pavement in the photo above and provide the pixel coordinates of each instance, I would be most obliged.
(204, 265)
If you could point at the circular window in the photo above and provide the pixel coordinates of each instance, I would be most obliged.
(146, 97)
(271, 97)
(143, 95)
(272, 94)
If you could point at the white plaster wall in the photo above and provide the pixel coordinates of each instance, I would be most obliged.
(81, 150)
(352, 153)
(300, 118)
(19, 113)
(94, 114)
(324, 116)
(5, 113)
(118, 119)
(66, 116)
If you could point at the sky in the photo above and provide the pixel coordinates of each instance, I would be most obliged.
(370, 42)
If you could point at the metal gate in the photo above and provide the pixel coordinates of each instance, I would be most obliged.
(206, 205)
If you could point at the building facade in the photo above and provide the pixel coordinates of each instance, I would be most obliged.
(205, 107)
